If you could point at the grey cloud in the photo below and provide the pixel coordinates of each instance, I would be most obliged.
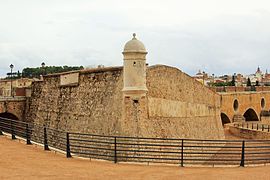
(226, 43)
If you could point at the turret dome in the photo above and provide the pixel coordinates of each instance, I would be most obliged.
(134, 45)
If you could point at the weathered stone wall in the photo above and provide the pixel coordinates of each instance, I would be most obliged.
(176, 106)
(94, 105)
(248, 133)
(265, 120)
(15, 106)
(241, 88)
(179, 106)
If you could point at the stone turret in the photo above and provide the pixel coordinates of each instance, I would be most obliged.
(134, 69)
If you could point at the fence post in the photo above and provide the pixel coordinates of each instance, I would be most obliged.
(242, 163)
(12, 130)
(28, 141)
(182, 153)
(268, 128)
(257, 126)
(247, 125)
(115, 150)
(252, 125)
(262, 127)
(1, 133)
(45, 141)
(68, 147)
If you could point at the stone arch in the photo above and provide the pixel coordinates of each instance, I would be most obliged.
(8, 116)
(6, 125)
(251, 115)
(224, 119)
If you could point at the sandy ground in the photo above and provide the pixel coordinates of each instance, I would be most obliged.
(20, 161)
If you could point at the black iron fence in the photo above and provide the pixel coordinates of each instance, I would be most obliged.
(253, 125)
(182, 152)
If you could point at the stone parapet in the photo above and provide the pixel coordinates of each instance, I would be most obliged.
(246, 133)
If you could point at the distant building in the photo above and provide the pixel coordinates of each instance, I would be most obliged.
(259, 74)
(199, 77)
(255, 78)
(203, 78)
(5, 85)
(266, 79)
(258, 78)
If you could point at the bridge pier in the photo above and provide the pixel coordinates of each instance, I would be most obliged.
(265, 117)
(238, 118)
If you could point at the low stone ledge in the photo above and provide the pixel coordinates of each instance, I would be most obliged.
(10, 98)
(247, 133)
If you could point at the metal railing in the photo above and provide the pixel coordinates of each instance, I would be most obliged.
(182, 152)
(253, 88)
(253, 126)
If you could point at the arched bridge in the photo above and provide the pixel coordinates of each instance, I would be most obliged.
(245, 106)
(12, 107)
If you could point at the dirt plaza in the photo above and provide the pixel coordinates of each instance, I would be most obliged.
(20, 161)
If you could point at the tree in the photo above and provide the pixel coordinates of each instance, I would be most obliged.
(248, 82)
(14, 75)
(36, 72)
(19, 75)
(218, 84)
(233, 81)
(257, 83)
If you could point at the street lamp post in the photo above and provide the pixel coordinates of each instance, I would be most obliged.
(11, 91)
(213, 76)
(43, 68)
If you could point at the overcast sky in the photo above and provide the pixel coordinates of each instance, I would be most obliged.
(217, 36)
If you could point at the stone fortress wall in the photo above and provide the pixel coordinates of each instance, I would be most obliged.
(91, 105)
(133, 100)
(175, 106)
(181, 106)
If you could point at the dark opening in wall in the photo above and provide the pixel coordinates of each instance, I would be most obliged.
(250, 115)
(262, 103)
(224, 118)
(136, 101)
(235, 105)
(8, 116)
